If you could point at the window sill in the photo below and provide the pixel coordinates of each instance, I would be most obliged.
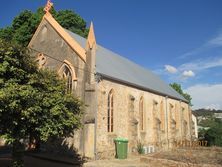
(143, 132)
(112, 134)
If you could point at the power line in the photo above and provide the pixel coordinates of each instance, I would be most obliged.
(97, 77)
(62, 61)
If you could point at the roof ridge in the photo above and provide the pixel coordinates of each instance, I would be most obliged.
(109, 63)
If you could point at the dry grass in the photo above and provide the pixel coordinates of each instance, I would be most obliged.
(199, 155)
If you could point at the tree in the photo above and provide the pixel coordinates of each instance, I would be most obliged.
(211, 126)
(25, 24)
(214, 134)
(71, 21)
(178, 88)
(33, 103)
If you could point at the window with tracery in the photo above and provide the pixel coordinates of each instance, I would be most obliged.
(67, 72)
(67, 75)
(110, 112)
(41, 60)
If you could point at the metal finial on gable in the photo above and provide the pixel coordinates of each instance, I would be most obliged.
(48, 6)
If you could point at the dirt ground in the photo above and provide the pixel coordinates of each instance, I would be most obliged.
(211, 156)
(195, 157)
(200, 155)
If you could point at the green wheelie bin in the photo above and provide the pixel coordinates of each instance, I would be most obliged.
(121, 148)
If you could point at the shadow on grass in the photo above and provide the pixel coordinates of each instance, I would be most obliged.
(54, 150)
(5, 156)
(58, 151)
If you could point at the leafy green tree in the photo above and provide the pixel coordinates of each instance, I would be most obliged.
(6, 33)
(33, 103)
(179, 89)
(71, 21)
(214, 134)
(25, 24)
(205, 112)
(212, 128)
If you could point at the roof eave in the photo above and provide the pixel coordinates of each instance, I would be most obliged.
(138, 86)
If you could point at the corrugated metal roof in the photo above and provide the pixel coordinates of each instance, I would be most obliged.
(116, 67)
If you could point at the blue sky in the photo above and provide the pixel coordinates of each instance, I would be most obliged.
(179, 40)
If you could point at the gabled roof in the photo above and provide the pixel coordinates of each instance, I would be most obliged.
(113, 66)
(80, 51)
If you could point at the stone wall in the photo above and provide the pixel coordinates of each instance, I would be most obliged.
(163, 118)
(57, 52)
(127, 118)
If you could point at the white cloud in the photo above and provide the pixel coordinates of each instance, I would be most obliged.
(170, 69)
(188, 73)
(194, 51)
(206, 96)
(214, 42)
(192, 69)
(217, 41)
(202, 64)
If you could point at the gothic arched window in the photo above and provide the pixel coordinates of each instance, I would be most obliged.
(110, 112)
(162, 116)
(177, 116)
(68, 78)
(67, 72)
(141, 114)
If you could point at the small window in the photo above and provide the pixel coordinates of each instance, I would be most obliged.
(110, 112)
(156, 114)
(182, 113)
(177, 116)
(185, 128)
(162, 116)
(141, 113)
(172, 112)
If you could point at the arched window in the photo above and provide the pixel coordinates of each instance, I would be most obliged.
(141, 114)
(68, 78)
(162, 116)
(110, 112)
(172, 112)
(67, 72)
(41, 60)
(158, 129)
(185, 129)
(177, 117)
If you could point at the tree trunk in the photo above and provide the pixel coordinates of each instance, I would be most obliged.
(17, 154)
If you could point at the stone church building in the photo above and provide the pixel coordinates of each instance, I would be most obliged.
(122, 98)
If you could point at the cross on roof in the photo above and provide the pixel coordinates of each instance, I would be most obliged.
(48, 6)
